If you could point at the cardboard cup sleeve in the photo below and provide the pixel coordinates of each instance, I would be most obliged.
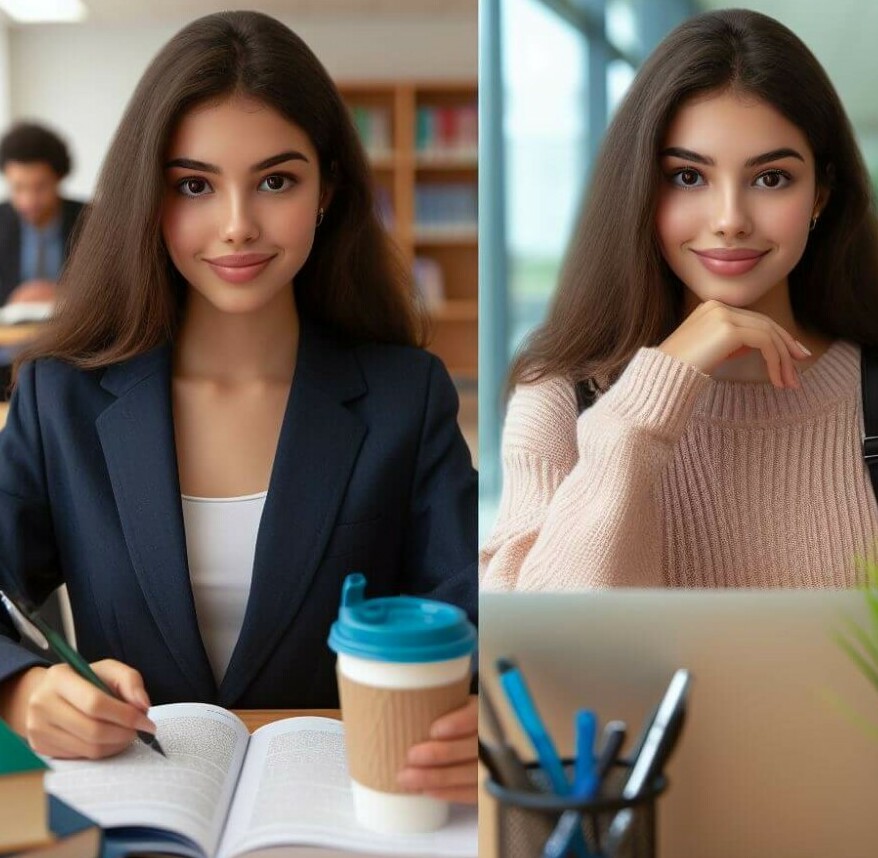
(381, 724)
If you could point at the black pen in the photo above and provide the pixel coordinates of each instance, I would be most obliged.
(614, 738)
(498, 755)
(655, 748)
(35, 629)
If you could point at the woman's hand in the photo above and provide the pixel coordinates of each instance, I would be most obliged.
(65, 716)
(446, 766)
(714, 332)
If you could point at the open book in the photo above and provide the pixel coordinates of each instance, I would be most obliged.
(223, 793)
(26, 311)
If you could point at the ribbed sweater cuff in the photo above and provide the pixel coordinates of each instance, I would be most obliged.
(656, 393)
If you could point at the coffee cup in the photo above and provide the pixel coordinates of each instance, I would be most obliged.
(402, 663)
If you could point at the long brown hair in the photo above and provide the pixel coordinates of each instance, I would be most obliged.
(120, 293)
(616, 292)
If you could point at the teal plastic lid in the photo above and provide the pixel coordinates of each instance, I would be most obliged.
(402, 629)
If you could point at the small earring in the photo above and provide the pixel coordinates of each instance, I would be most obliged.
(813, 224)
(320, 216)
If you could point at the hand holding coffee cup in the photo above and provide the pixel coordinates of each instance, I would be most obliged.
(403, 663)
(447, 765)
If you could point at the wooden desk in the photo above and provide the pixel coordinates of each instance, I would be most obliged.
(13, 335)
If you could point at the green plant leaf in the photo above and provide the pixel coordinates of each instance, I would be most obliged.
(849, 712)
(870, 672)
(868, 646)
(861, 644)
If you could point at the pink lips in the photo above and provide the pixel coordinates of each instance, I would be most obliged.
(729, 262)
(240, 267)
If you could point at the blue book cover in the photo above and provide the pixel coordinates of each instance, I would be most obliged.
(65, 820)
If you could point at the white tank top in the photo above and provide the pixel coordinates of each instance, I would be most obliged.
(221, 546)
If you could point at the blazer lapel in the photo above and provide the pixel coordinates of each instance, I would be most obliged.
(318, 446)
(137, 436)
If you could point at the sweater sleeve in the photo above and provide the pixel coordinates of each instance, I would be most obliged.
(579, 505)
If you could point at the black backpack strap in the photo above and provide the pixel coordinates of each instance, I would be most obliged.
(585, 395)
(869, 381)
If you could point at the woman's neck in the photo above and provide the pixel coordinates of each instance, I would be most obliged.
(237, 347)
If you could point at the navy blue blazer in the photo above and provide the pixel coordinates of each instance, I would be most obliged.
(371, 474)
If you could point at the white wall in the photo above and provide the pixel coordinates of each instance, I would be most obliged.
(78, 78)
(5, 84)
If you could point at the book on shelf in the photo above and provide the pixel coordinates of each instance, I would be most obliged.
(374, 127)
(446, 209)
(222, 792)
(429, 282)
(384, 208)
(447, 132)
(24, 818)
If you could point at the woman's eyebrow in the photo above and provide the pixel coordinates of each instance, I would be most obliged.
(192, 164)
(204, 167)
(774, 155)
(274, 160)
(755, 161)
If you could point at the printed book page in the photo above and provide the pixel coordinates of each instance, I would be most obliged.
(188, 793)
(295, 789)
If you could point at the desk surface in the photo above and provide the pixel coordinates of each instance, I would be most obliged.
(13, 335)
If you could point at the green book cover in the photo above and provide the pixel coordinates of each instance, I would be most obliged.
(15, 755)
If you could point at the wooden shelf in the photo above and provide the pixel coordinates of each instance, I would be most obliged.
(446, 162)
(466, 372)
(451, 252)
(456, 310)
(383, 160)
(453, 235)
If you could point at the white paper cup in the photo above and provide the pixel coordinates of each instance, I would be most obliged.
(388, 707)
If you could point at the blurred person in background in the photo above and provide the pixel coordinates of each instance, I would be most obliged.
(36, 223)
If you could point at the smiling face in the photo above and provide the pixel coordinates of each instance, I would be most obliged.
(738, 195)
(240, 209)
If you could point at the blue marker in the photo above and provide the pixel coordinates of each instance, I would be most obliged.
(585, 783)
(522, 704)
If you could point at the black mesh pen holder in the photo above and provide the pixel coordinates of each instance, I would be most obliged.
(612, 826)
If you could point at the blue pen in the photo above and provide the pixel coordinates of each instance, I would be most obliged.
(585, 782)
(522, 704)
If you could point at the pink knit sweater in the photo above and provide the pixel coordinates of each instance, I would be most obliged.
(673, 478)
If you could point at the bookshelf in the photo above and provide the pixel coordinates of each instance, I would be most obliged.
(421, 137)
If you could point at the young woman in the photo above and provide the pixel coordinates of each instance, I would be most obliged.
(719, 284)
(229, 414)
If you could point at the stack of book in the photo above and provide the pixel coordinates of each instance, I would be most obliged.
(33, 824)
